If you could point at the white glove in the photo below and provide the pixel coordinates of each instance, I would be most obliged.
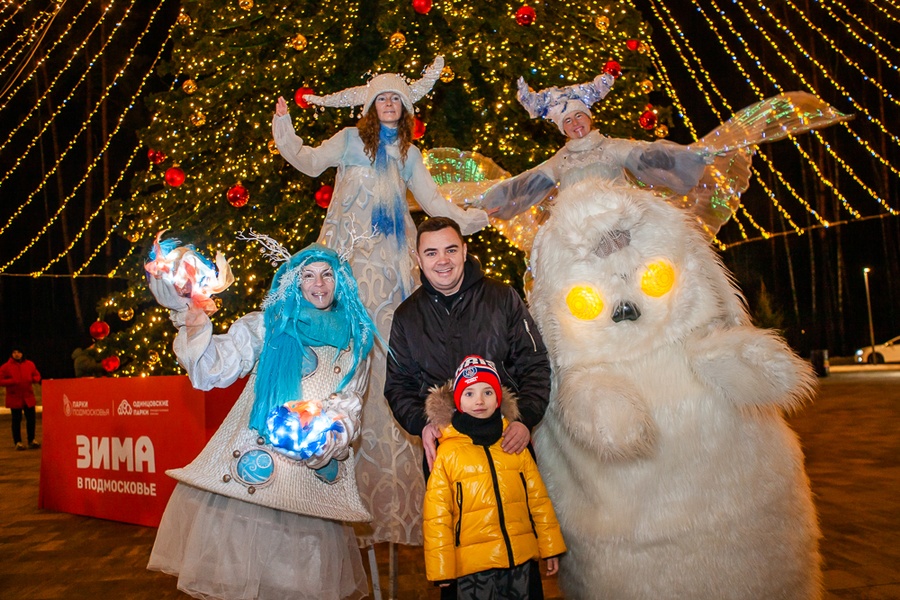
(346, 408)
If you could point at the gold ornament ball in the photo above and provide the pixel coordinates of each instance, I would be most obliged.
(661, 131)
(646, 86)
(273, 149)
(447, 74)
(398, 40)
(198, 119)
(602, 23)
(245, 4)
(153, 357)
(184, 19)
(126, 314)
(298, 42)
(643, 48)
(218, 302)
(189, 86)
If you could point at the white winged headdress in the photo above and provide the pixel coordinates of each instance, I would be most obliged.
(410, 91)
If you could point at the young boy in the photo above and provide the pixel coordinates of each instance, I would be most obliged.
(487, 515)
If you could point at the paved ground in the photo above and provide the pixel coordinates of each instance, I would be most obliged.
(851, 436)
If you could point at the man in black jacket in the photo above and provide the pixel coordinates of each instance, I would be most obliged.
(457, 312)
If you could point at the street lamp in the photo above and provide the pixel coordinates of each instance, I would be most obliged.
(869, 305)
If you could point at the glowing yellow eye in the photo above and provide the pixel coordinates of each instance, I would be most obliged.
(584, 302)
(658, 279)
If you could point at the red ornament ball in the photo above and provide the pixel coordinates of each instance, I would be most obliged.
(99, 330)
(323, 196)
(298, 97)
(525, 16)
(613, 68)
(174, 176)
(110, 363)
(647, 120)
(238, 195)
(418, 128)
(157, 157)
(632, 44)
(421, 6)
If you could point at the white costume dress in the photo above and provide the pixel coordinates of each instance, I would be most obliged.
(389, 462)
(238, 524)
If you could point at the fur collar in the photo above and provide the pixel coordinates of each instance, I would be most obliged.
(439, 405)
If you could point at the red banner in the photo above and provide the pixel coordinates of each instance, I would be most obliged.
(107, 443)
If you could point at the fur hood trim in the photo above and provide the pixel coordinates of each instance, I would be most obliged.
(439, 405)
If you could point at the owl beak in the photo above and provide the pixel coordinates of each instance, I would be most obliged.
(626, 311)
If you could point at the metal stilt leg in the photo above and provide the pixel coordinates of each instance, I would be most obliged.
(373, 570)
(392, 571)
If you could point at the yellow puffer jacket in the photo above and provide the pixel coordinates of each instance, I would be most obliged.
(484, 508)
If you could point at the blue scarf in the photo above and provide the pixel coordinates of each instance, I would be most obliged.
(293, 326)
(389, 214)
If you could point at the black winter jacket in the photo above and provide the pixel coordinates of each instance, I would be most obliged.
(428, 342)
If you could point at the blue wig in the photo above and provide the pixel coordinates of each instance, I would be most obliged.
(294, 325)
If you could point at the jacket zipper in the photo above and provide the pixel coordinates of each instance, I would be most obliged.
(500, 515)
(459, 503)
(527, 503)
(528, 331)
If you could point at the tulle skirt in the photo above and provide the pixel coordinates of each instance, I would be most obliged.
(228, 549)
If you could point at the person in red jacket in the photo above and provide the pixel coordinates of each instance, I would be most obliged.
(17, 375)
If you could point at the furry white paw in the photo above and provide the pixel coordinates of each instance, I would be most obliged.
(605, 415)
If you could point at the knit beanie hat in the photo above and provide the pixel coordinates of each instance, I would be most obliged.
(475, 369)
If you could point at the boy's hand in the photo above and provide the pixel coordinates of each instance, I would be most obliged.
(552, 565)
(515, 438)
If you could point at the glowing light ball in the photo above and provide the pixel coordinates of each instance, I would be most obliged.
(658, 279)
(584, 302)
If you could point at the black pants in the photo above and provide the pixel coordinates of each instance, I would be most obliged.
(17, 423)
(534, 584)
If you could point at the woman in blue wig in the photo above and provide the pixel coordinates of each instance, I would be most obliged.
(376, 165)
(263, 511)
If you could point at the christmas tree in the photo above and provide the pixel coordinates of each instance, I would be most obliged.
(213, 169)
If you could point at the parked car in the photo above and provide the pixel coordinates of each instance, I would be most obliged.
(886, 352)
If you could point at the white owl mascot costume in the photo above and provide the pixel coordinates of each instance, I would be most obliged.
(671, 468)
